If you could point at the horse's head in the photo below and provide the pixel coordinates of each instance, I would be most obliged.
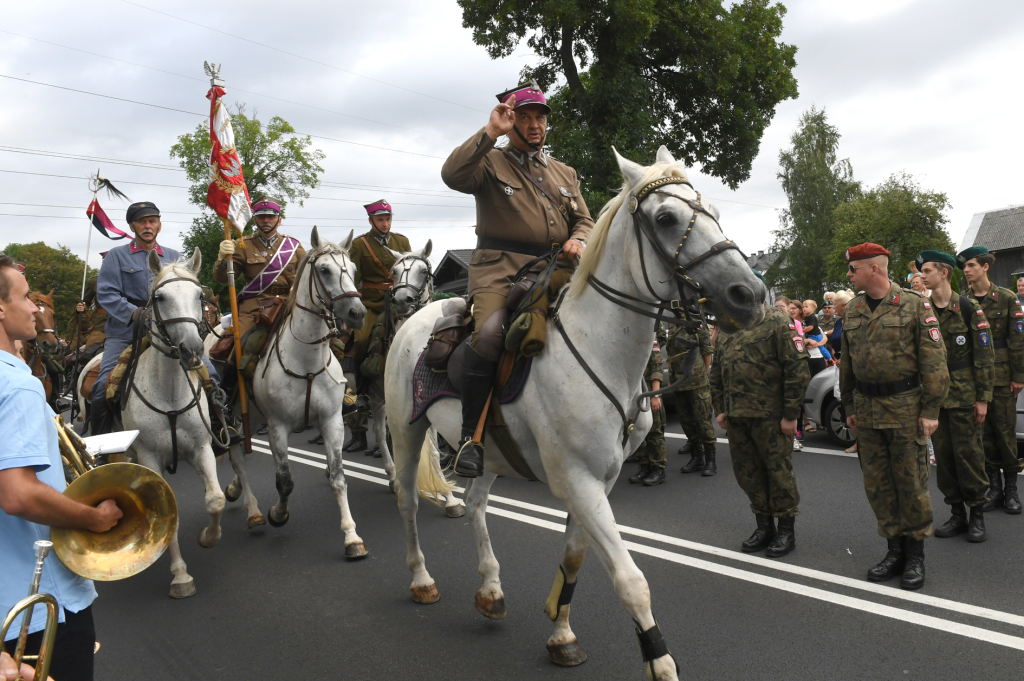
(413, 276)
(683, 254)
(332, 280)
(46, 335)
(176, 298)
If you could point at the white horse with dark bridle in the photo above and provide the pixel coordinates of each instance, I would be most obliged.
(656, 247)
(165, 401)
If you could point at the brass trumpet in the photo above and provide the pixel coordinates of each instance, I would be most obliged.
(143, 533)
(27, 605)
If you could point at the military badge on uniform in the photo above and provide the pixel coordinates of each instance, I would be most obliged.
(1018, 314)
(927, 306)
(979, 312)
(799, 343)
(929, 320)
(565, 192)
(961, 340)
(983, 338)
(934, 333)
(983, 325)
(1019, 326)
(895, 298)
(508, 190)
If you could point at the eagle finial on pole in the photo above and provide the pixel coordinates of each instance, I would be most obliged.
(213, 71)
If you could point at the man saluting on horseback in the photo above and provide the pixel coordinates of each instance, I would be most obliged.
(527, 203)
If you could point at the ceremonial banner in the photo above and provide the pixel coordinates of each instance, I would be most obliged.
(227, 195)
(102, 223)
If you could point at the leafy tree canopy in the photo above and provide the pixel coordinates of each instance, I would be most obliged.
(702, 79)
(817, 182)
(52, 268)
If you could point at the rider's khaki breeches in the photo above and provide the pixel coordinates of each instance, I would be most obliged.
(484, 305)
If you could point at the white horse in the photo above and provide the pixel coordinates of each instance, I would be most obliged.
(573, 432)
(166, 402)
(93, 363)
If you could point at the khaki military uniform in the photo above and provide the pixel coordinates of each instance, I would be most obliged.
(1004, 314)
(652, 450)
(511, 209)
(250, 257)
(373, 280)
(693, 396)
(758, 377)
(899, 342)
(959, 453)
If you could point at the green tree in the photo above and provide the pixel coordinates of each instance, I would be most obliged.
(275, 163)
(816, 182)
(897, 214)
(702, 79)
(52, 268)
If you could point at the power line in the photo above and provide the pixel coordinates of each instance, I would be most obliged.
(177, 222)
(82, 157)
(233, 89)
(299, 56)
(196, 213)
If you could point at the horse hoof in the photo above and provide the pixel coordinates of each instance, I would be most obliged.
(205, 543)
(355, 551)
(567, 654)
(391, 485)
(232, 496)
(256, 521)
(327, 472)
(425, 595)
(273, 520)
(493, 608)
(455, 511)
(184, 590)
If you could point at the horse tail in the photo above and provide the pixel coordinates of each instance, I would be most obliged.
(429, 476)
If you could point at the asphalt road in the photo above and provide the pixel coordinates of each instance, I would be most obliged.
(279, 603)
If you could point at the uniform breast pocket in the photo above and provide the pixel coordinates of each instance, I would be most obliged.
(134, 279)
(509, 191)
(898, 328)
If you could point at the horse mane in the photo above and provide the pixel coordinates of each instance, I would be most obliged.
(40, 297)
(599, 236)
(176, 268)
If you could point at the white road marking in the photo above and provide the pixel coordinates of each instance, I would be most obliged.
(810, 450)
(765, 580)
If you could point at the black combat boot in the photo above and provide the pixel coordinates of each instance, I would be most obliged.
(913, 573)
(640, 474)
(785, 539)
(655, 476)
(957, 523)
(995, 489)
(318, 440)
(477, 381)
(1011, 502)
(709, 460)
(696, 452)
(976, 531)
(763, 535)
(357, 443)
(891, 565)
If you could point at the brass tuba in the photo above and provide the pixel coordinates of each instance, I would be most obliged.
(143, 533)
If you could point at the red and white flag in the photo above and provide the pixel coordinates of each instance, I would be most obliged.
(227, 195)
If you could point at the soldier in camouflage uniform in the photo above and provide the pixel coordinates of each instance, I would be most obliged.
(758, 379)
(693, 397)
(893, 380)
(651, 453)
(959, 453)
(1004, 313)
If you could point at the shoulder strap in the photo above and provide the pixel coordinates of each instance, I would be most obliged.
(966, 311)
(537, 185)
(385, 270)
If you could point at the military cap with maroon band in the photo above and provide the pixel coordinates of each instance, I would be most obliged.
(526, 94)
(381, 207)
(865, 250)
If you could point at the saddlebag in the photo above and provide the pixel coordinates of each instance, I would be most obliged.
(269, 311)
(223, 348)
(447, 334)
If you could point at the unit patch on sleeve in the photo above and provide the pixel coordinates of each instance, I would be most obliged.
(934, 333)
(983, 338)
(1019, 326)
(982, 325)
(799, 343)
(929, 320)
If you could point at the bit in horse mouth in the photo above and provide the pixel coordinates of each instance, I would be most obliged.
(345, 327)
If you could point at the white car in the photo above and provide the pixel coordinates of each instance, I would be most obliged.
(822, 406)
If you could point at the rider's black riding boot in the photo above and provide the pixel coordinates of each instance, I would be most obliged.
(477, 381)
(101, 420)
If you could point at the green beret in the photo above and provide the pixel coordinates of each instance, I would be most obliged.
(759, 276)
(969, 254)
(934, 256)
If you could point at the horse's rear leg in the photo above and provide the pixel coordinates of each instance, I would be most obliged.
(278, 436)
(334, 439)
(588, 505)
(240, 486)
(490, 600)
(563, 648)
(206, 466)
(407, 440)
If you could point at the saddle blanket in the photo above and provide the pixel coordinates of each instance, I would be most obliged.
(429, 385)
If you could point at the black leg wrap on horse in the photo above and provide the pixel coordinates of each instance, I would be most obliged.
(561, 594)
(652, 643)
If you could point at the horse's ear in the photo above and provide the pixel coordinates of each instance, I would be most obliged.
(425, 253)
(314, 238)
(394, 254)
(347, 243)
(664, 155)
(195, 262)
(631, 172)
(154, 262)
(50, 294)
(713, 209)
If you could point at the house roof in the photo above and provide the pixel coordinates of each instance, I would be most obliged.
(762, 260)
(461, 255)
(997, 230)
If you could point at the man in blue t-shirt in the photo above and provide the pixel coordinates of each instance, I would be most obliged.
(31, 482)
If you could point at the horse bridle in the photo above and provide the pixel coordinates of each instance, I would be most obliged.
(159, 326)
(403, 279)
(318, 292)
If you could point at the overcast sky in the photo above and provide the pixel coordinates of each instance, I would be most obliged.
(931, 87)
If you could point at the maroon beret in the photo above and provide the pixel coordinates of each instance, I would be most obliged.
(865, 250)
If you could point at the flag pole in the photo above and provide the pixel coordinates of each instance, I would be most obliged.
(88, 246)
(237, 332)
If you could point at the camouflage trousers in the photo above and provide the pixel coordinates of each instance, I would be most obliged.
(694, 410)
(1001, 431)
(651, 451)
(895, 466)
(762, 459)
(960, 458)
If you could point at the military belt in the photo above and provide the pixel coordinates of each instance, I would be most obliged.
(521, 247)
(999, 344)
(886, 389)
(143, 303)
(962, 364)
